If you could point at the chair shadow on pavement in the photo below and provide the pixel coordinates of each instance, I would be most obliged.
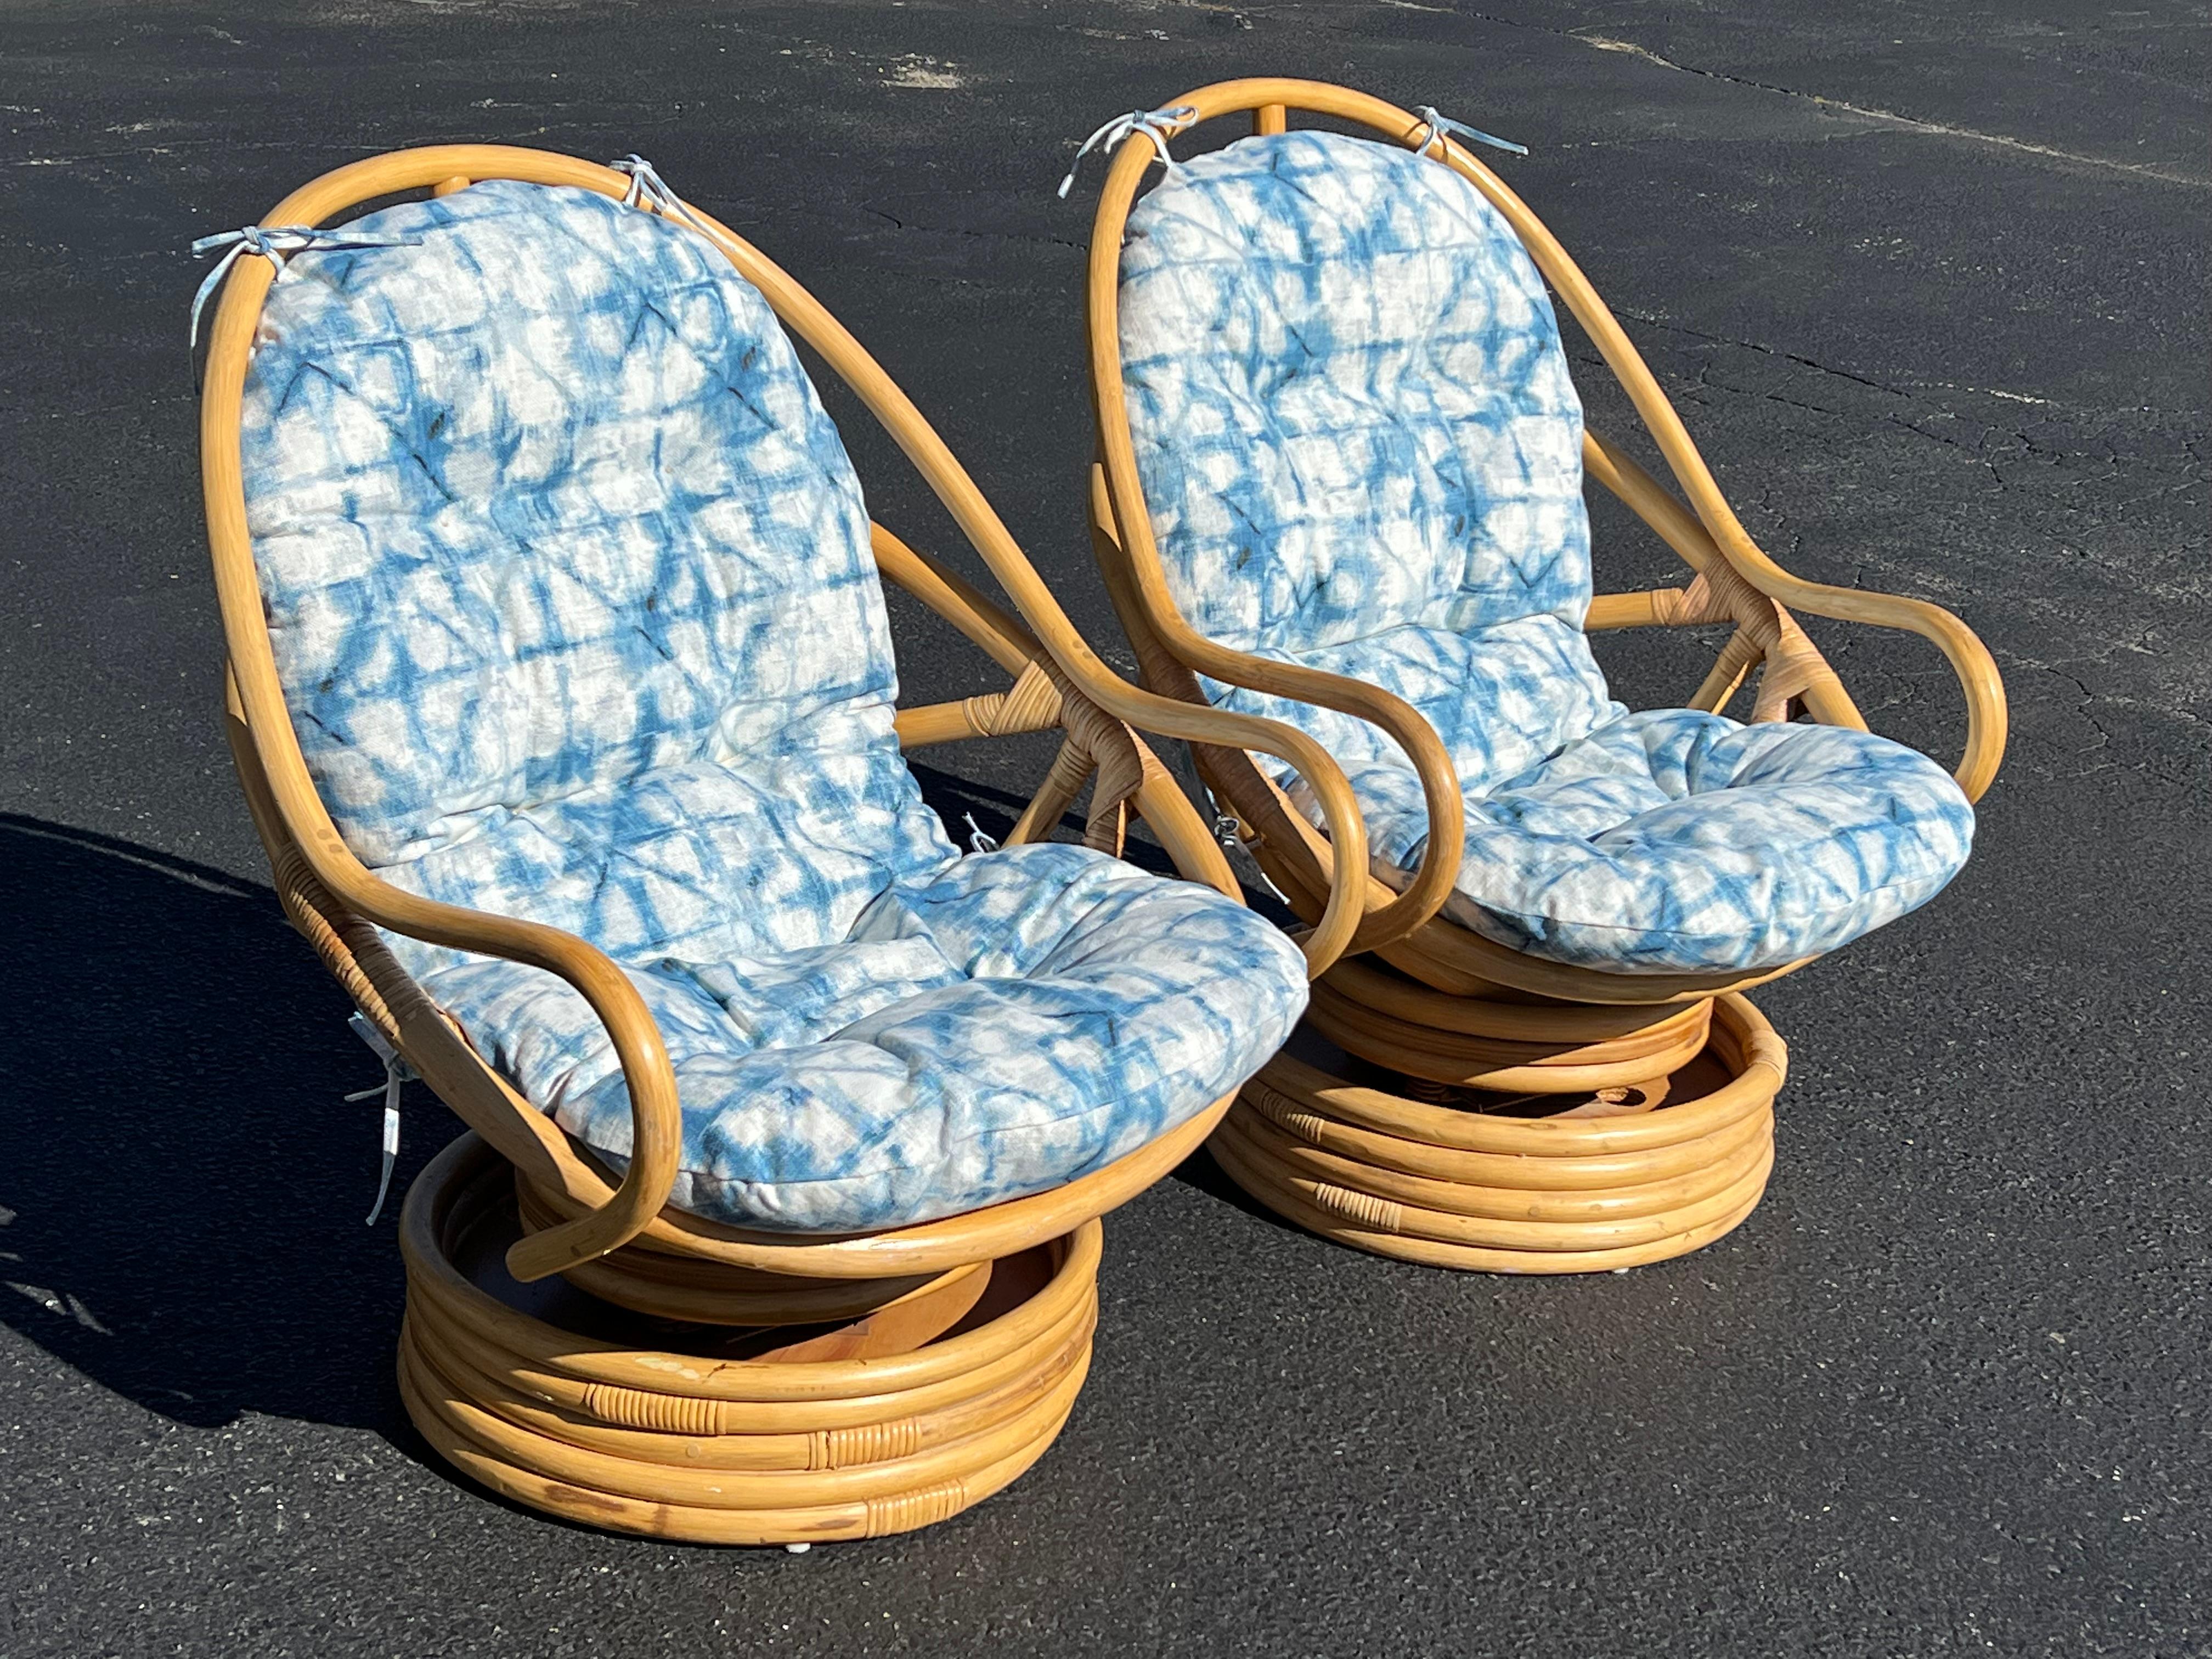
(182, 1183)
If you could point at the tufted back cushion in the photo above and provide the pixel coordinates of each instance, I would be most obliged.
(1357, 434)
(568, 580)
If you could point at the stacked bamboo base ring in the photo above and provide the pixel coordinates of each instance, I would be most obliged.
(753, 1438)
(1655, 1154)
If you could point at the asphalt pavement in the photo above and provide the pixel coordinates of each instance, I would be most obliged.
(1927, 282)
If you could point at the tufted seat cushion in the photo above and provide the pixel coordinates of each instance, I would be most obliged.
(1016, 1020)
(569, 580)
(1362, 452)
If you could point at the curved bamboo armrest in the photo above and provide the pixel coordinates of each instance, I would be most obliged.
(656, 1119)
(256, 696)
(1413, 908)
(1013, 646)
(1970, 659)
(1341, 918)
(1169, 717)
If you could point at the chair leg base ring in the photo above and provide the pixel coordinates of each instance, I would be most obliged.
(1438, 1184)
(773, 1446)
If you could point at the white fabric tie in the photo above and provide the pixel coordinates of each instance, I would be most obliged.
(648, 189)
(396, 1072)
(1158, 124)
(1438, 125)
(272, 243)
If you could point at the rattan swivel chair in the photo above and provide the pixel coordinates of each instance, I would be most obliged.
(561, 686)
(1339, 484)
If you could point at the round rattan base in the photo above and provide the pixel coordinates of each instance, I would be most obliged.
(695, 1432)
(1638, 1176)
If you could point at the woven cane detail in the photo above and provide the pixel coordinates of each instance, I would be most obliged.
(870, 1442)
(1364, 1208)
(1280, 1109)
(1764, 630)
(1031, 704)
(667, 1414)
(908, 1511)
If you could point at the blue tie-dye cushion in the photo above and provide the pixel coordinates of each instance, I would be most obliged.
(1362, 451)
(568, 580)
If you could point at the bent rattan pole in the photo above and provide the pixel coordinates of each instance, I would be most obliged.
(926, 1247)
(1349, 1192)
(424, 1246)
(691, 1446)
(1520, 1184)
(293, 816)
(648, 1402)
(785, 1453)
(1070, 653)
(870, 1518)
(1453, 1186)
(1374, 1229)
(525, 1438)
(702, 1434)
(1746, 1047)
(1445, 1056)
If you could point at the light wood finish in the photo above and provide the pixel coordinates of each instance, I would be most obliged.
(930, 1247)
(709, 1292)
(788, 1447)
(1373, 1032)
(856, 1343)
(1454, 1187)
(1418, 993)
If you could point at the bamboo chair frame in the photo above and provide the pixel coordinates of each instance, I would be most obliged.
(1415, 992)
(887, 1293)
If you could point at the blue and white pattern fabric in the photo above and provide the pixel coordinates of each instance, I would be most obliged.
(568, 579)
(1362, 451)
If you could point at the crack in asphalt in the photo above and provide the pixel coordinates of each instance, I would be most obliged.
(2091, 699)
(1978, 452)
(1891, 118)
(2022, 444)
(1907, 392)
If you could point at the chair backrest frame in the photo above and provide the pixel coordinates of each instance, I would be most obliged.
(1734, 578)
(339, 904)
